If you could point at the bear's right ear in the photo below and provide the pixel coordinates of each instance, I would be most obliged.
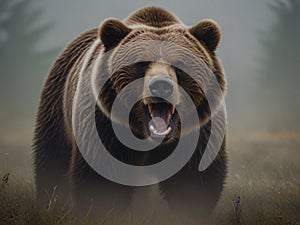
(111, 32)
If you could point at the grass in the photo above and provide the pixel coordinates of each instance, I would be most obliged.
(265, 174)
(18, 207)
(263, 187)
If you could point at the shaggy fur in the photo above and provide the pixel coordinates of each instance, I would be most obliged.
(59, 165)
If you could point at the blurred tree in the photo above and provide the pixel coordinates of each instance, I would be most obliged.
(280, 67)
(22, 66)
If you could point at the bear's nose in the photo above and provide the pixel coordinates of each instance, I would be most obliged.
(161, 87)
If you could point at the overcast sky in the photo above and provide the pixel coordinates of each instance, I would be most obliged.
(240, 21)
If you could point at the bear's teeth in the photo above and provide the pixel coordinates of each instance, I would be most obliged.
(169, 117)
(152, 129)
(172, 109)
(166, 132)
(150, 108)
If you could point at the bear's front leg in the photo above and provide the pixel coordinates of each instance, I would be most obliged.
(192, 195)
(51, 165)
(97, 198)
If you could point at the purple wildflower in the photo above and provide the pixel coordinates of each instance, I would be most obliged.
(236, 207)
(5, 179)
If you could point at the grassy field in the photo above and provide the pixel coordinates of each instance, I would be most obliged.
(265, 174)
(263, 186)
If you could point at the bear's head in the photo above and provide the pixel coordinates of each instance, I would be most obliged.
(164, 61)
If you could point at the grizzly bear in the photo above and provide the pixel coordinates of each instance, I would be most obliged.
(175, 63)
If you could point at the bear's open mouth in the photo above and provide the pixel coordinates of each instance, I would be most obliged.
(161, 119)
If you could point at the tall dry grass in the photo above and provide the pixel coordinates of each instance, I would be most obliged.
(263, 187)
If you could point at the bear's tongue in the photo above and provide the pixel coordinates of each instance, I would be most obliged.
(161, 115)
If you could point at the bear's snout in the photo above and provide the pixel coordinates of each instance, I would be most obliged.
(161, 87)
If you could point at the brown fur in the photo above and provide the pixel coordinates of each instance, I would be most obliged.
(191, 194)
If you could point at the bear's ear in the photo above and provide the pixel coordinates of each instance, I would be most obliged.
(208, 32)
(111, 32)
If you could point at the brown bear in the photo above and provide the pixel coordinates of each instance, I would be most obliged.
(100, 56)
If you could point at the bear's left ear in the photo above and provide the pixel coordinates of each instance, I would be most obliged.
(208, 32)
(111, 32)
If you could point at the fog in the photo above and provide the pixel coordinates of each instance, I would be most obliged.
(33, 32)
(259, 50)
(240, 22)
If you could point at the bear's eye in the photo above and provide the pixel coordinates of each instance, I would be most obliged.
(179, 65)
(142, 65)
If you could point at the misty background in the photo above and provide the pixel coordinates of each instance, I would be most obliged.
(259, 51)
